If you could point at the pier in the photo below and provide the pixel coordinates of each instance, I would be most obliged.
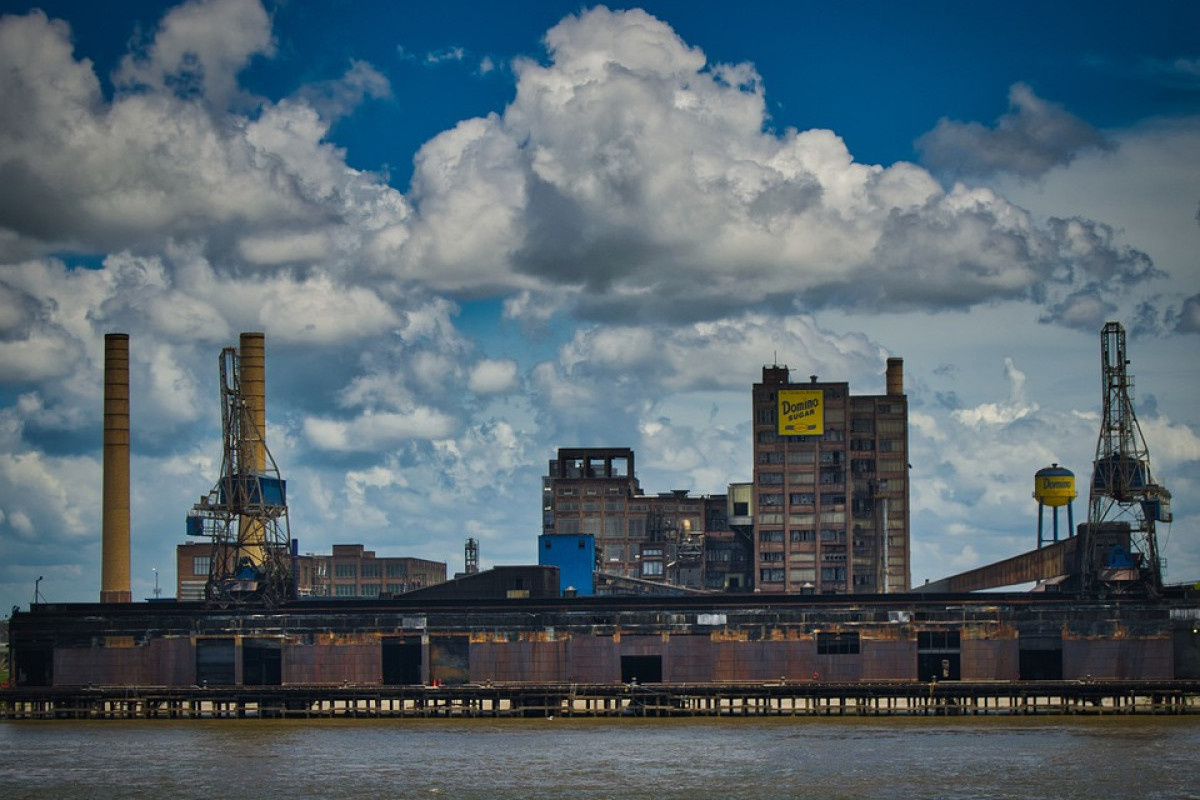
(780, 699)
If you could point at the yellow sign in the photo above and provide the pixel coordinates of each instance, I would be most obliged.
(801, 412)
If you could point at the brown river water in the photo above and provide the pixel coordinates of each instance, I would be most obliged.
(961, 758)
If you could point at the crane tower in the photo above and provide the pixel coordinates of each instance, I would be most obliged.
(1124, 495)
(245, 513)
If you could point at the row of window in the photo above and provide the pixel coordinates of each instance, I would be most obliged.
(370, 589)
(766, 499)
(370, 570)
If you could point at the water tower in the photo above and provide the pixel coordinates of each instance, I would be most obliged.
(1054, 486)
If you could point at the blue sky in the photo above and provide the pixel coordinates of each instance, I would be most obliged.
(477, 232)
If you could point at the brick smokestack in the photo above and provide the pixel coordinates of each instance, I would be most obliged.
(114, 568)
(895, 376)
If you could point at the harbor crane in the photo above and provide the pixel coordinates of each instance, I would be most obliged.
(1124, 494)
(245, 514)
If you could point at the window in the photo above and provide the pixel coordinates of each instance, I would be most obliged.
(652, 568)
(345, 571)
(837, 644)
(370, 590)
(397, 571)
(201, 564)
(771, 575)
(345, 590)
(770, 499)
(770, 535)
(802, 498)
(833, 498)
(770, 478)
(803, 536)
(370, 571)
(768, 558)
(862, 425)
(833, 574)
(770, 457)
(938, 640)
(832, 476)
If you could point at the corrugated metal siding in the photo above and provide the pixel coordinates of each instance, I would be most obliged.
(594, 659)
(890, 659)
(333, 663)
(102, 666)
(991, 660)
(537, 661)
(171, 662)
(1143, 659)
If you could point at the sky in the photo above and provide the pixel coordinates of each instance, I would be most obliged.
(475, 232)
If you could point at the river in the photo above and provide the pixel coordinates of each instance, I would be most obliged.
(1051, 757)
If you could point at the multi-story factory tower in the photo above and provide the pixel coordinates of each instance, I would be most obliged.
(245, 514)
(830, 486)
(1123, 491)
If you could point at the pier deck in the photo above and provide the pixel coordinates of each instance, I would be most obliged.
(606, 700)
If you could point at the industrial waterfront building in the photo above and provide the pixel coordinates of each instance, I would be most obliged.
(830, 501)
(819, 596)
(349, 571)
(672, 538)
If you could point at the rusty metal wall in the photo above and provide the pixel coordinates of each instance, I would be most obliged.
(688, 659)
(595, 659)
(333, 662)
(991, 659)
(1133, 658)
(101, 666)
(536, 660)
(170, 662)
(888, 660)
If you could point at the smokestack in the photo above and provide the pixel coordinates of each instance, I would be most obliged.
(114, 567)
(252, 374)
(253, 383)
(895, 376)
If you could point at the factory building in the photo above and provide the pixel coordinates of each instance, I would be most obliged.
(509, 625)
(350, 571)
(830, 496)
(671, 538)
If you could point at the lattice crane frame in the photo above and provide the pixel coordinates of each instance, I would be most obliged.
(245, 514)
(1123, 487)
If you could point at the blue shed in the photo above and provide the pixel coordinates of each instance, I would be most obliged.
(575, 556)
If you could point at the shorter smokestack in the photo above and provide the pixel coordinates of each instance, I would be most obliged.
(895, 376)
(114, 567)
